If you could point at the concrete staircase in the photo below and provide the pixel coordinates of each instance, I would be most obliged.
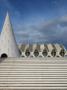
(33, 74)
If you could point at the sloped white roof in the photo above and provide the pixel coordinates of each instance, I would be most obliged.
(7, 40)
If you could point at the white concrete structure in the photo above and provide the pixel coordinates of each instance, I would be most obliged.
(58, 50)
(33, 74)
(50, 49)
(43, 50)
(27, 51)
(35, 50)
(30, 73)
(66, 54)
(8, 46)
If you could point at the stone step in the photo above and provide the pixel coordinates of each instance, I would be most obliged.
(34, 88)
(40, 69)
(22, 64)
(33, 74)
(33, 80)
(54, 59)
(33, 84)
(39, 77)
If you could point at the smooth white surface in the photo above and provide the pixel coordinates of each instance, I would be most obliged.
(7, 40)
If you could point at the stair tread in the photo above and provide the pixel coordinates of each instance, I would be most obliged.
(33, 73)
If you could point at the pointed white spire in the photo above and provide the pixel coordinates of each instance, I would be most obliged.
(8, 44)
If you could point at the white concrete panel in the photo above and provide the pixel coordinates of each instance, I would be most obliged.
(7, 40)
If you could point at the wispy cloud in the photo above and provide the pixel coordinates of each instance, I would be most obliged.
(49, 32)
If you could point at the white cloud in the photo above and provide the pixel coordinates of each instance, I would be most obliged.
(51, 31)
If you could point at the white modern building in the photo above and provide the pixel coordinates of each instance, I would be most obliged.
(8, 45)
(31, 67)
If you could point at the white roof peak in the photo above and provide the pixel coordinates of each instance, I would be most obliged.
(8, 43)
(7, 15)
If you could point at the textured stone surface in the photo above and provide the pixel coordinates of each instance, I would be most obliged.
(33, 73)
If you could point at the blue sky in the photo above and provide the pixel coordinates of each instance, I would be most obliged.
(37, 21)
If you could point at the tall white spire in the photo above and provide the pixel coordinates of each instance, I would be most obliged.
(8, 44)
